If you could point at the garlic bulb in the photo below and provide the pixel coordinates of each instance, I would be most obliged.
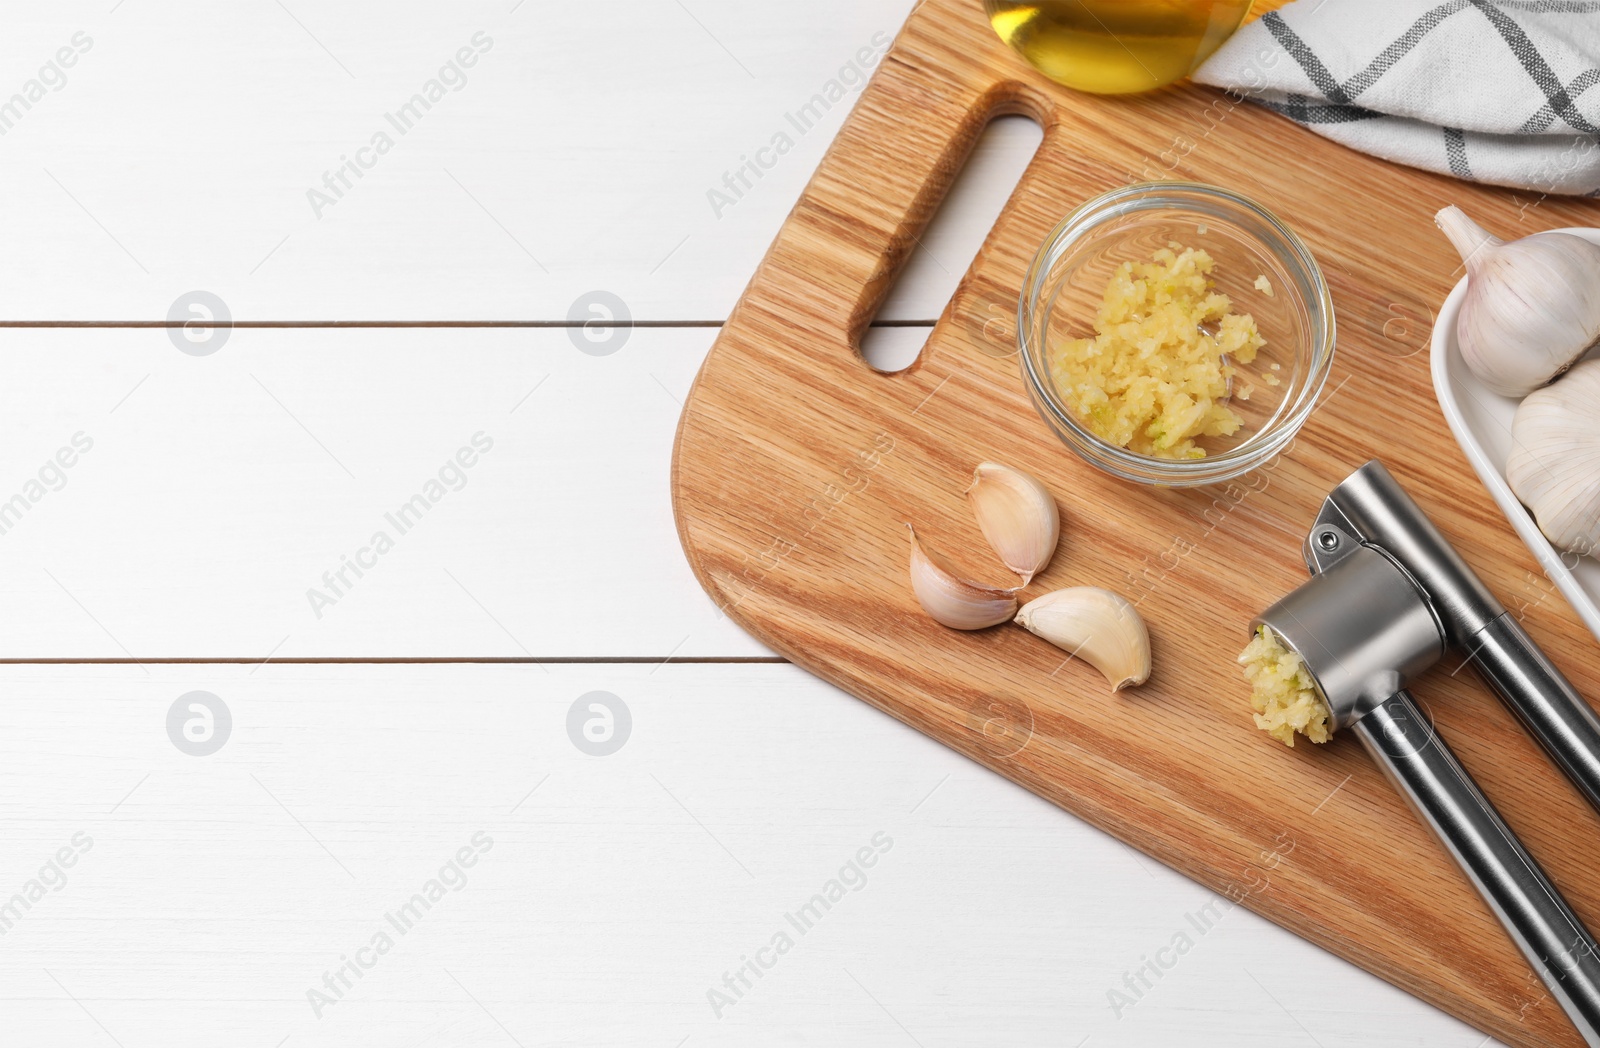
(1555, 458)
(953, 601)
(1531, 307)
(1017, 515)
(1095, 625)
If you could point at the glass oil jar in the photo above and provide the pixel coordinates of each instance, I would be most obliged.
(1116, 46)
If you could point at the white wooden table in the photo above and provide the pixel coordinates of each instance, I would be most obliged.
(233, 864)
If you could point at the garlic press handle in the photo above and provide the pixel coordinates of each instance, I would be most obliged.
(1561, 950)
(1544, 700)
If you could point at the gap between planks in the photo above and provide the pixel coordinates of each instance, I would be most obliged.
(631, 324)
(341, 660)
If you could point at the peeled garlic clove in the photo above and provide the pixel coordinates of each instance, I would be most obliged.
(1095, 625)
(1530, 308)
(954, 601)
(1554, 465)
(1018, 516)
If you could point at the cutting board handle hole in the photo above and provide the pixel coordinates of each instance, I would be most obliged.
(950, 242)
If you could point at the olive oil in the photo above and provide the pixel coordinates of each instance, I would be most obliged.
(1116, 46)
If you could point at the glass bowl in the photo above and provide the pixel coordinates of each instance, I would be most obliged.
(1067, 280)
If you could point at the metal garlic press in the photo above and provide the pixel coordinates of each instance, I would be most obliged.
(1387, 598)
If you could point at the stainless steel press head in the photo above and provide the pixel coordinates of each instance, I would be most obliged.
(1370, 511)
(1386, 598)
(1362, 625)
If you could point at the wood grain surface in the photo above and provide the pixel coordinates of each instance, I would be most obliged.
(797, 466)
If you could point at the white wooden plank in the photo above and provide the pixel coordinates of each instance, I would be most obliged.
(220, 489)
(580, 152)
(617, 890)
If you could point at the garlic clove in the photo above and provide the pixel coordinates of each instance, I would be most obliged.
(1095, 625)
(1554, 466)
(1530, 309)
(954, 601)
(1018, 516)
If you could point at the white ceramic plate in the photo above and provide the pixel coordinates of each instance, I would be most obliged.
(1481, 422)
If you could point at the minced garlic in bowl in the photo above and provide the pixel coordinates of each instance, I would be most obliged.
(1150, 369)
(1158, 371)
(1285, 698)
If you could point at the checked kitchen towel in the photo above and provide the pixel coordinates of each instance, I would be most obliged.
(1499, 91)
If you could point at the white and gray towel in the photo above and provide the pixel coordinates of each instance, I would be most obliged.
(1499, 91)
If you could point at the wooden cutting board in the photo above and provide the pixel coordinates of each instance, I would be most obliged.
(797, 467)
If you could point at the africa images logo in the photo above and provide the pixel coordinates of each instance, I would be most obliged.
(451, 77)
(451, 877)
